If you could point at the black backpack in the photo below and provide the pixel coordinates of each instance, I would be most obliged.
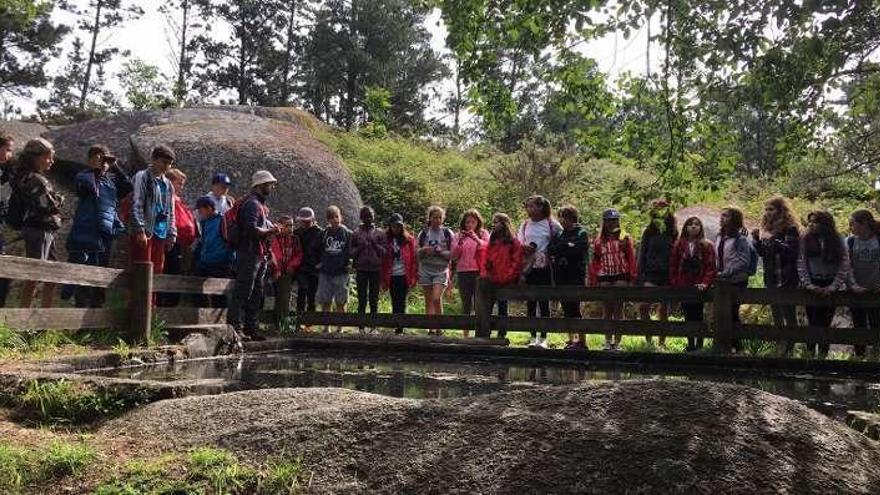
(16, 210)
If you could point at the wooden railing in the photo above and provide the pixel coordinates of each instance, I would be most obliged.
(140, 284)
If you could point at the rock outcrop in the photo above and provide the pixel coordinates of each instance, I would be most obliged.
(663, 436)
(235, 140)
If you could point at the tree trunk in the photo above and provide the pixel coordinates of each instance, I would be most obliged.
(183, 67)
(242, 58)
(96, 28)
(288, 56)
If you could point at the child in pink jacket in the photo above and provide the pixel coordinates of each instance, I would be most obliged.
(468, 251)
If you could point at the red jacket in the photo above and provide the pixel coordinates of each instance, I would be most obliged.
(185, 223)
(287, 255)
(628, 252)
(705, 258)
(410, 262)
(502, 263)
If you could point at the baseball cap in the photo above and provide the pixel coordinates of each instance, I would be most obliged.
(611, 214)
(305, 213)
(221, 178)
(205, 202)
(395, 219)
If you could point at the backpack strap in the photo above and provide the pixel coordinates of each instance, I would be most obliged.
(850, 242)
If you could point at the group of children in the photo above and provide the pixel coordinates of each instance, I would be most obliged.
(546, 250)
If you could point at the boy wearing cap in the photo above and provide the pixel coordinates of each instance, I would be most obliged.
(151, 223)
(310, 235)
(96, 222)
(212, 255)
(252, 251)
(219, 194)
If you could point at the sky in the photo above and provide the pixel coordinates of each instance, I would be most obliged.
(146, 39)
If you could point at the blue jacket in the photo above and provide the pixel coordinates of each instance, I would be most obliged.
(96, 216)
(211, 249)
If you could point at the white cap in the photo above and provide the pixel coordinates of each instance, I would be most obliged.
(262, 177)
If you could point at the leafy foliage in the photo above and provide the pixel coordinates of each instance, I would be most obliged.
(29, 39)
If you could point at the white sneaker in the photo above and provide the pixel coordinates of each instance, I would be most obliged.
(607, 346)
(533, 342)
(542, 343)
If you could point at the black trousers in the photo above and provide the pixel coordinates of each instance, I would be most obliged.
(306, 288)
(865, 318)
(368, 290)
(820, 316)
(693, 312)
(247, 296)
(502, 311)
(173, 266)
(467, 288)
(538, 276)
(399, 289)
(4, 282)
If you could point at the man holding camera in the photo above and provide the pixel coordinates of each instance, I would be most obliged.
(96, 222)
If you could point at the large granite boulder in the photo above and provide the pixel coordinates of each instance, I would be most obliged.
(235, 140)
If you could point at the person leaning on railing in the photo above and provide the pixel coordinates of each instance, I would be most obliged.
(692, 264)
(732, 256)
(863, 247)
(824, 268)
(503, 262)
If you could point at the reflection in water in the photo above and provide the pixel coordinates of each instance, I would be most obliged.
(435, 377)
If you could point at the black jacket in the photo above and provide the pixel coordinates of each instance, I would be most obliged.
(780, 255)
(570, 251)
(310, 239)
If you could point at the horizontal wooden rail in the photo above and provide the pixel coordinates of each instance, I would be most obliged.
(801, 297)
(388, 320)
(17, 268)
(576, 325)
(191, 285)
(61, 318)
(819, 335)
(578, 293)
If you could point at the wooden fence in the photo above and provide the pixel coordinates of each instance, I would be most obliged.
(141, 284)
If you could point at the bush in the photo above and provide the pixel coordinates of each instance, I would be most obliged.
(64, 401)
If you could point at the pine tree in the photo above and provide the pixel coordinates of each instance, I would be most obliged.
(182, 33)
(28, 40)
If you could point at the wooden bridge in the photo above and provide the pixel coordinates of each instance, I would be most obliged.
(140, 283)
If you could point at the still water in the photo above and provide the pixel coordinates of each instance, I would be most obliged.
(443, 376)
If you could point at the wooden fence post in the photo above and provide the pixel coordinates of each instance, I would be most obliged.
(483, 302)
(722, 310)
(141, 302)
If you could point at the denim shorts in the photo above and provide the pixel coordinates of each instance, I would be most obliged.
(332, 289)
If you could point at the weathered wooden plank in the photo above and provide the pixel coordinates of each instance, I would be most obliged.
(623, 327)
(17, 268)
(388, 320)
(191, 285)
(820, 335)
(575, 293)
(804, 297)
(61, 318)
(191, 316)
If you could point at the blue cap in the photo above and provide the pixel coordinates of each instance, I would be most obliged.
(204, 202)
(221, 178)
(611, 214)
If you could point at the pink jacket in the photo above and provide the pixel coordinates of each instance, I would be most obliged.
(468, 253)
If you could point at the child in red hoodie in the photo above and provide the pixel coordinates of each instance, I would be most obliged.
(400, 267)
(503, 259)
(692, 264)
(287, 256)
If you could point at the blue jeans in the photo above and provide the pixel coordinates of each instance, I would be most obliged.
(89, 297)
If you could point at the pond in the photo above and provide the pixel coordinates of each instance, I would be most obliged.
(425, 376)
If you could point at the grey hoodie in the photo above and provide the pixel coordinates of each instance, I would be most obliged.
(733, 261)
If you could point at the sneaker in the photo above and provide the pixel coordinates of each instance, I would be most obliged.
(608, 346)
(339, 329)
(542, 343)
(570, 346)
(616, 347)
(533, 342)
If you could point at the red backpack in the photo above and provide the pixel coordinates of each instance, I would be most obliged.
(229, 228)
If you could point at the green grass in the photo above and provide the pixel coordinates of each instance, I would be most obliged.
(204, 470)
(25, 467)
(69, 402)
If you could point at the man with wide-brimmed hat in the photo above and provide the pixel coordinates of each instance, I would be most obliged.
(254, 231)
